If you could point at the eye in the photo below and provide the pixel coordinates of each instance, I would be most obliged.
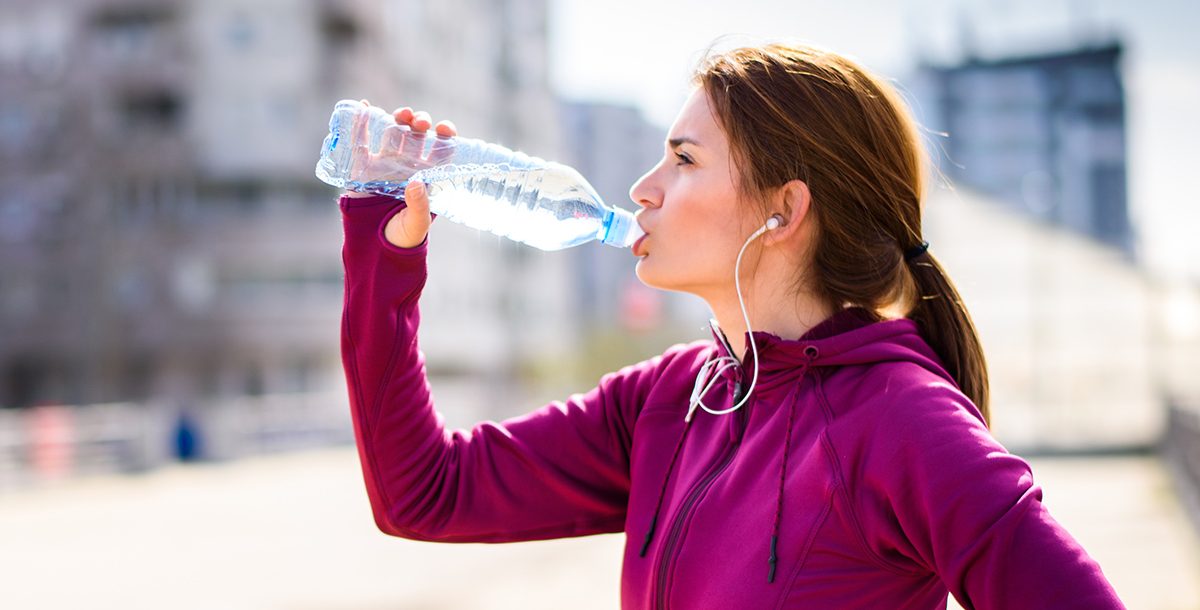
(683, 159)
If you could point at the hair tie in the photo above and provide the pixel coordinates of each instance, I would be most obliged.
(916, 251)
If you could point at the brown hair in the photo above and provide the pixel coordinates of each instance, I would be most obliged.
(798, 112)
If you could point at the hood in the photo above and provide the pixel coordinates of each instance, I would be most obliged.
(850, 337)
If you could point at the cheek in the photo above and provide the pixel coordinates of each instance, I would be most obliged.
(696, 222)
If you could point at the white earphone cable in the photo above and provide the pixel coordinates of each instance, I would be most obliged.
(723, 363)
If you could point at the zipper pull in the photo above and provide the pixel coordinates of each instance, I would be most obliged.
(735, 432)
(771, 575)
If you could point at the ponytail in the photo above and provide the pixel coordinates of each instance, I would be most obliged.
(945, 324)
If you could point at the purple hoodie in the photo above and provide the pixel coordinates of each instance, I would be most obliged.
(856, 476)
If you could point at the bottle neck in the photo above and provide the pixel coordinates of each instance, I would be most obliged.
(620, 228)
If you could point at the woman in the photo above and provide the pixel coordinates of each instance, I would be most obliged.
(828, 448)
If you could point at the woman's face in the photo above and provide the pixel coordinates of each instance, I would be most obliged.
(690, 210)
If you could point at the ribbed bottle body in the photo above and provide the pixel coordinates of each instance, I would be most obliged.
(479, 184)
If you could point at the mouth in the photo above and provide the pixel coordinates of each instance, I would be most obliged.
(637, 246)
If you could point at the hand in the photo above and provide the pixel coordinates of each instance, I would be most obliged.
(400, 152)
(409, 227)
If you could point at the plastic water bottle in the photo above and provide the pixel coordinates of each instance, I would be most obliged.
(485, 186)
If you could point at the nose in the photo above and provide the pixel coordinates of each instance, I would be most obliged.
(645, 192)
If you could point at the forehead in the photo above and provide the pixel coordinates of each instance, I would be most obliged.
(696, 121)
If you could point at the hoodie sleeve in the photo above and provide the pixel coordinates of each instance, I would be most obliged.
(941, 493)
(562, 470)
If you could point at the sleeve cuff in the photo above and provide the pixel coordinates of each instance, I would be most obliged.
(379, 209)
(348, 203)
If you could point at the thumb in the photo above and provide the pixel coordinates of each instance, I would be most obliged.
(408, 228)
(417, 199)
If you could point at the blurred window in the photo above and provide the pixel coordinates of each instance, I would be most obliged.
(158, 110)
(137, 377)
(339, 30)
(237, 196)
(130, 31)
(240, 32)
(21, 381)
(1110, 220)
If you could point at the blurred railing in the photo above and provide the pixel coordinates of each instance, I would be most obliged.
(48, 443)
(254, 425)
(1181, 449)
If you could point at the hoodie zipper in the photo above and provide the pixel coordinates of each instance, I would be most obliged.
(686, 509)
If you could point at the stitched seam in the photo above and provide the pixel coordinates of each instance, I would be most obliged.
(843, 489)
(819, 390)
(375, 408)
(978, 546)
(860, 536)
(812, 537)
(369, 415)
(357, 389)
(367, 426)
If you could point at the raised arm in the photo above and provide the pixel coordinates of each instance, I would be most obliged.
(562, 470)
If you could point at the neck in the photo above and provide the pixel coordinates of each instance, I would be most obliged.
(772, 307)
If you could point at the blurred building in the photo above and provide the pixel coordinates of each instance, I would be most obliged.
(1044, 133)
(621, 319)
(1076, 348)
(613, 145)
(161, 231)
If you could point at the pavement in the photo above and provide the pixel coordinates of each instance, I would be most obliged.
(294, 532)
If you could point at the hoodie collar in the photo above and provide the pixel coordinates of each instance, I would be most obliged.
(853, 335)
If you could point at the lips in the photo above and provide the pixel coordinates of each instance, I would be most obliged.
(637, 246)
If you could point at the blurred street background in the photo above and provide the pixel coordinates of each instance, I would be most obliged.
(174, 429)
(294, 532)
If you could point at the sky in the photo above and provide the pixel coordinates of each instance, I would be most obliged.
(641, 53)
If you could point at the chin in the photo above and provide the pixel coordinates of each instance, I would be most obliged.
(643, 273)
(652, 275)
(648, 275)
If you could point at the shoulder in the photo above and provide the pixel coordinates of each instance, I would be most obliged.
(895, 393)
(902, 413)
(916, 459)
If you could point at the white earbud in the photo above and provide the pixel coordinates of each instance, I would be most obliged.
(773, 223)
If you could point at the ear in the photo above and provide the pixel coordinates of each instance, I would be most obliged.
(791, 202)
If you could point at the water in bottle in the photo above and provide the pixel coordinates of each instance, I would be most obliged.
(486, 186)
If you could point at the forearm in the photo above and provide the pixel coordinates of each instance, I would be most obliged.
(399, 436)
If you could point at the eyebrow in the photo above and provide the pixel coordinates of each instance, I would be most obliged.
(677, 142)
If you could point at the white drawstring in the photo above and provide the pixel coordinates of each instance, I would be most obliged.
(726, 362)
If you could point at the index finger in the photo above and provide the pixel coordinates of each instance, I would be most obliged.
(443, 146)
(414, 143)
